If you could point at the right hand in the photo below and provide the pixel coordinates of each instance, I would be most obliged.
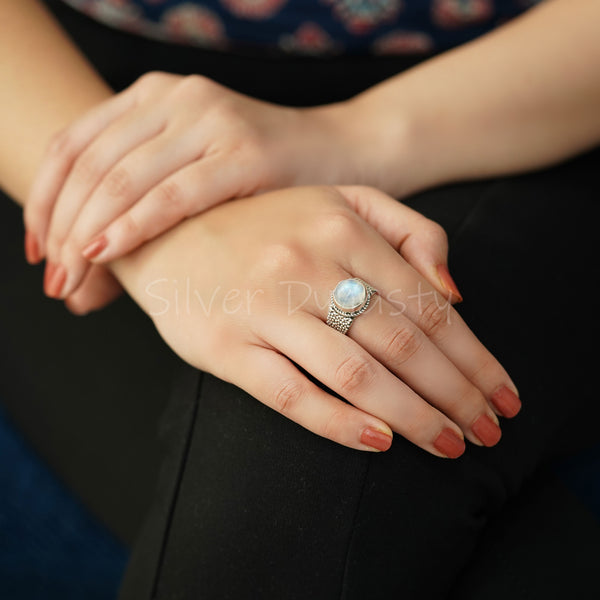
(214, 287)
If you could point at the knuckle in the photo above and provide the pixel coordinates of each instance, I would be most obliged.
(354, 374)
(171, 196)
(78, 239)
(129, 226)
(55, 242)
(277, 260)
(118, 183)
(403, 343)
(86, 167)
(151, 78)
(342, 227)
(466, 405)
(419, 427)
(61, 146)
(438, 232)
(250, 146)
(226, 111)
(288, 396)
(487, 368)
(433, 319)
(69, 250)
(194, 84)
(334, 425)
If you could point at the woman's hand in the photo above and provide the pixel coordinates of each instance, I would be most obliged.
(167, 148)
(242, 291)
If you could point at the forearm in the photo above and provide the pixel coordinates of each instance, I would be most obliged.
(525, 96)
(45, 83)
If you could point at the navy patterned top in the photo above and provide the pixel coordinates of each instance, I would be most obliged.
(318, 27)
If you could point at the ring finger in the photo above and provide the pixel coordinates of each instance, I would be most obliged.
(349, 370)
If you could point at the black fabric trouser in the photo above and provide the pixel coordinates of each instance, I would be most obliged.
(251, 505)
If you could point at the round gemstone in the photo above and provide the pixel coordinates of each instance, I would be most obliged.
(349, 294)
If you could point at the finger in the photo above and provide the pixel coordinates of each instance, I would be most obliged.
(114, 142)
(403, 286)
(421, 241)
(60, 155)
(98, 289)
(277, 383)
(132, 177)
(190, 190)
(350, 371)
(124, 185)
(397, 343)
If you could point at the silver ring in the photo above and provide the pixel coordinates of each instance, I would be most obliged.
(350, 298)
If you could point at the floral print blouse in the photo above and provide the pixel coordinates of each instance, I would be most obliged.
(315, 27)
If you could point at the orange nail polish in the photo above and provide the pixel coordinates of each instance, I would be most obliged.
(55, 281)
(32, 249)
(376, 439)
(486, 430)
(448, 283)
(95, 247)
(449, 443)
(506, 401)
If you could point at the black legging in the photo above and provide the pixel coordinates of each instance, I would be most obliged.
(250, 505)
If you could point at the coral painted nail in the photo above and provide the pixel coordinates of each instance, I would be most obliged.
(32, 249)
(506, 402)
(376, 439)
(449, 443)
(55, 280)
(448, 283)
(486, 430)
(94, 248)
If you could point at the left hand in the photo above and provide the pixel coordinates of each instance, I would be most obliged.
(166, 148)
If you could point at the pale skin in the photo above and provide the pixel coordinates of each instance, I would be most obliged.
(170, 147)
(250, 303)
(466, 114)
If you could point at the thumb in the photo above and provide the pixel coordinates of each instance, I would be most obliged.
(423, 243)
(98, 289)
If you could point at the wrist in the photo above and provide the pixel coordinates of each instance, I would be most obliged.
(174, 251)
(378, 142)
(351, 150)
(395, 147)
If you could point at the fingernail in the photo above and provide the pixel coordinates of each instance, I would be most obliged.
(94, 248)
(486, 430)
(54, 280)
(448, 283)
(449, 443)
(506, 401)
(32, 249)
(376, 439)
